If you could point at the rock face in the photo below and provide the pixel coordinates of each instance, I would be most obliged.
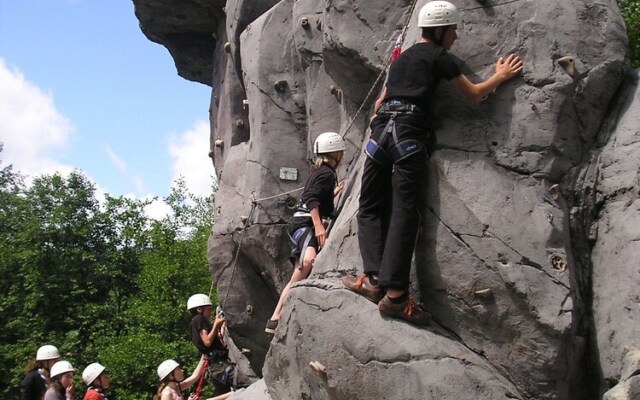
(529, 232)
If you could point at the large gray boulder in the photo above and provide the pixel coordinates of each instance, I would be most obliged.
(526, 250)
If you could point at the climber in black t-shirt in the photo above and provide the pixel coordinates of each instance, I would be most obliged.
(394, 172)
(306, 230)
(208, 339)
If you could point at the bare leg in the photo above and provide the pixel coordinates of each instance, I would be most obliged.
(298, 275)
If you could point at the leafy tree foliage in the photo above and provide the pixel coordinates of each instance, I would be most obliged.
(631, 13)
(102, 281)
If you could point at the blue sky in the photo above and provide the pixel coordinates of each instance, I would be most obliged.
(82, 87)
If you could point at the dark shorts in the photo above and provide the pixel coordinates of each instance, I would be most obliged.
(299, 234)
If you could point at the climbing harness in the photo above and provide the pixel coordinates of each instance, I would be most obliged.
(400, 149)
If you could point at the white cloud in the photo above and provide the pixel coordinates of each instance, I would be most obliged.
(121, 165)
(31, 129)
(190, 159)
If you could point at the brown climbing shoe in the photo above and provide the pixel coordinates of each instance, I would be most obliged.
(362, 286)
(407, 310)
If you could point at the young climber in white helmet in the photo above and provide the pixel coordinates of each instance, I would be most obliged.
(208, 339)
(394, 171)
(36, 380)
(61, 387)
(173, 380)
(306, 229)
(96, 378)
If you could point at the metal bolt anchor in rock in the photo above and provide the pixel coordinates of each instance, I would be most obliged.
(280, 85)
(239, 123)
(484, 293)
(554, 191)
(304, 21)
(568, 65)
(337, 92)
(227, 47)
(317, 367)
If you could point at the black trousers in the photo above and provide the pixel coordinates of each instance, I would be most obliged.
(388, 213)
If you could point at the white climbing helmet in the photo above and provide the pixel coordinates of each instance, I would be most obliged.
(328, 142)
(166, 367)
(61, 367)
(438, 13)
(91, 372)
(198, 300)
(47, 352)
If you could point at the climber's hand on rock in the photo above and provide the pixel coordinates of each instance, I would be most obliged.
(509, 67)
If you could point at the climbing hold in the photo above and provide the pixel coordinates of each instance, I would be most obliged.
(219, 210)
(290, 202)
(484, 293)
(558, 263)
(245, 104)
(239, 123)
(280, 85)
(317, 367)
(211, 153)
(227, 47)
(249, 309)
(554, 191)
(568, 64)
(337, 92)
(219, 143)
(319, 24)
(304, 21)
(244, 219)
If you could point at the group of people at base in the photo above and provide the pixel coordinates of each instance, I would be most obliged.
(50, 378)
(394, 171)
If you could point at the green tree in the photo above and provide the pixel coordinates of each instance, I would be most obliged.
(631, 12)
(101, 280)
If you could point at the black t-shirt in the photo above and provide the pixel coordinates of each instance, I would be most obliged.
(415, 74)
(318, 190)
(217, 349)
(33, 386)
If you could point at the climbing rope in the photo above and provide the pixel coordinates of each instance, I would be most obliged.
(382, 71)
(235, 257)
(254, 202)
(196, 394)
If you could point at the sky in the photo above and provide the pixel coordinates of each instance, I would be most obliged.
(82, 88)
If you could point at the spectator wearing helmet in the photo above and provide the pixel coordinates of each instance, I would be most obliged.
(306, 230)
(173, 381)
(36, 380)
(60, 387)
(97, 381)
(394, 171)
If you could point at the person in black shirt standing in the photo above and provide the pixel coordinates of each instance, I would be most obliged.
(35, 382)
(388, 216)
(208, 339)
(306, 230)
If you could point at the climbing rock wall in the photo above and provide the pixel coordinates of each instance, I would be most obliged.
(526, 253)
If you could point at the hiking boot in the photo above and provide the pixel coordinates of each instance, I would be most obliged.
(362, 286)
(272, 324)
(408, 310)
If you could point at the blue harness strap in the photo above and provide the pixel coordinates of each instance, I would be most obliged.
(399, 150)
(301, 233)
